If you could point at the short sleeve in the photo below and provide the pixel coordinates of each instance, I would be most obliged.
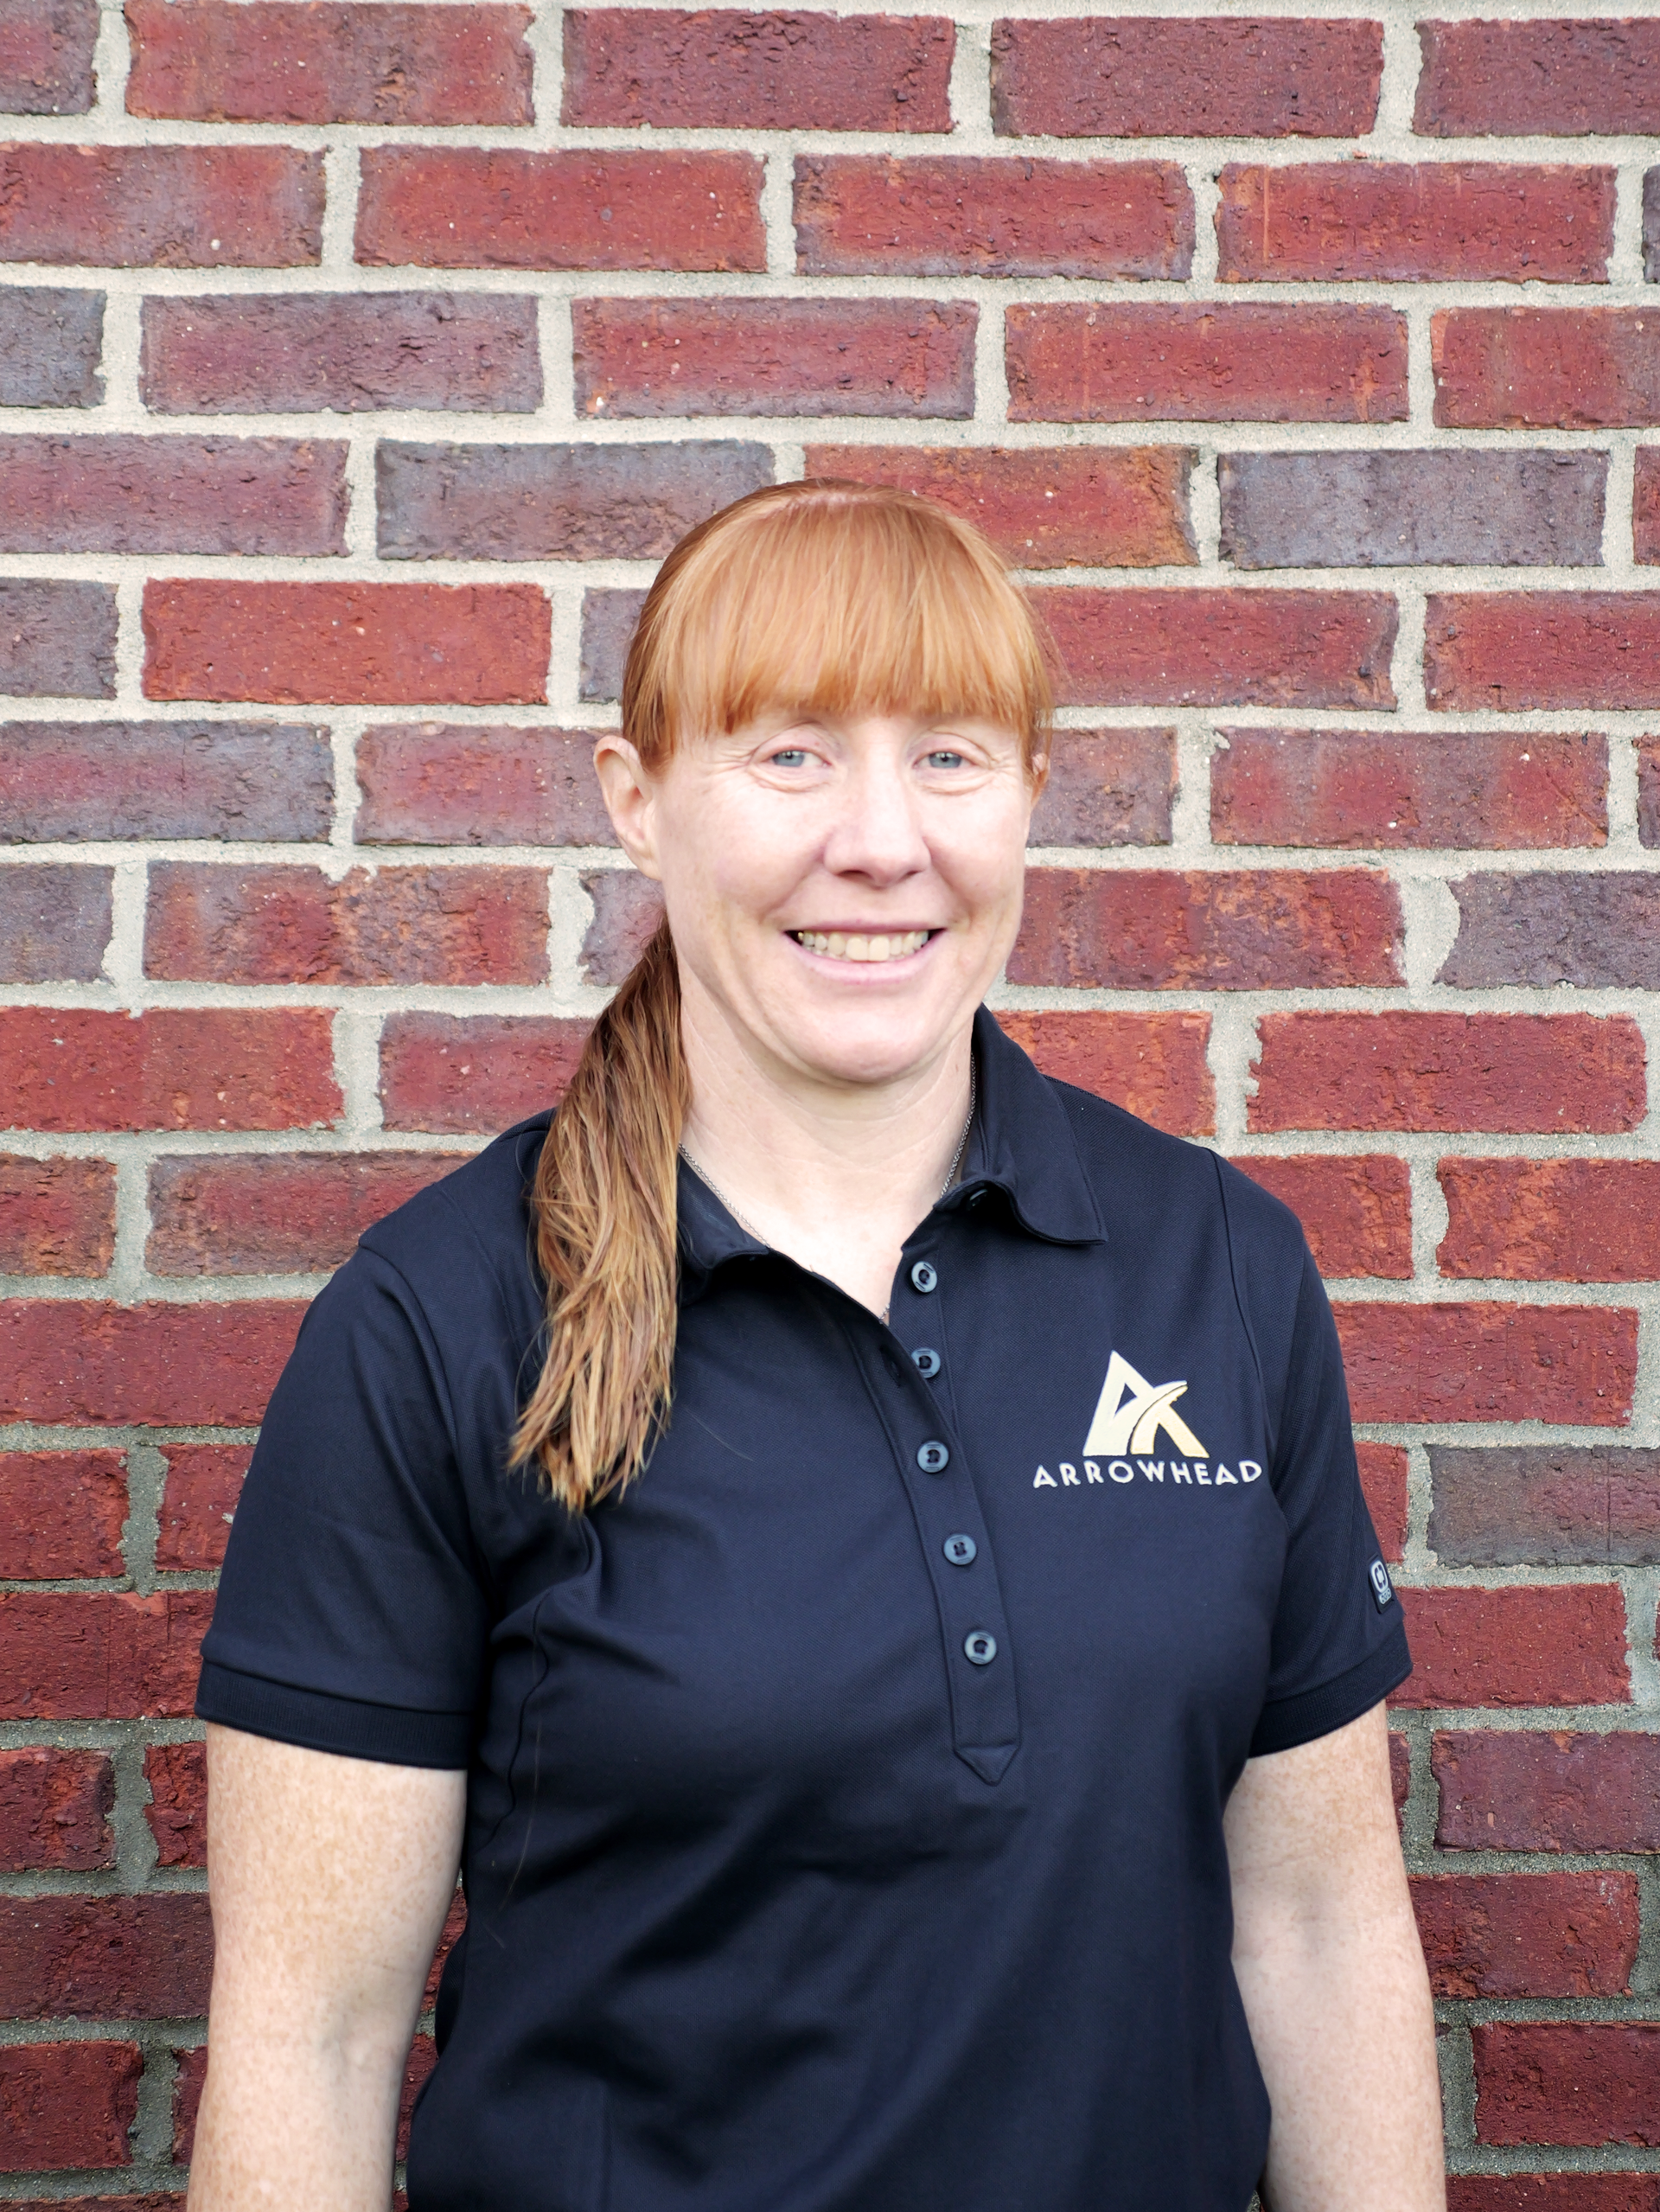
(1338, 1641)
(353, 1615)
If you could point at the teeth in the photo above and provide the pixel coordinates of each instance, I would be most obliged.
(834, 945)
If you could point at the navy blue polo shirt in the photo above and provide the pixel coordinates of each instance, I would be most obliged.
(845, 1804)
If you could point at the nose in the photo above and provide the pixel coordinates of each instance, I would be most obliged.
(877, 833)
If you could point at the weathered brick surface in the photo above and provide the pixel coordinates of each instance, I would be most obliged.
(173, 207)
(1512, 1072)
(56, 635)
(608, 617)
(1546, 1505)
(66, 1656)
(74, 1362)
(1646, 507)
(192, 2073)
(1356, 1213)
(1152, 1064)
(940, 215)
(1383, 1474)
(1489, 1362)
(1572, 2192)
(1410, 790)
(1255, 929)
(390, 926)
(1397, 510)
(1208, 76)
(61, 1514)
(125, 1958)
(177, 1812)
(1223, 363)
(55, 1810)
(50, 344)
(465, 352)
(46, 56)
(1551, 2082)
(1544, 927)
(67, 2104)
(1546, 367)
(1570, 79)
(464, 1074)
(1552, 1220)
(464, 783)
(554, 503)
(1496, 1935)
(1359, 221)
(286, 1213)
(76, 1068)
(62, 782)
(329, 61)
(1106, 787)
(721, 68)
(172, 495)
(199, 1498)
(627, 910)
(1561, 1644)
(1208, 648)
(1648, 790)
(895, 357)
(54, 923)
(1561, 1792)
(463, 208)
(366, 644)
(1504, 650)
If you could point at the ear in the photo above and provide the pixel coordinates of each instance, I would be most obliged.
(630, 798)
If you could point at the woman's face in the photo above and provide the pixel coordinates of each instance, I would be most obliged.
(843, 892)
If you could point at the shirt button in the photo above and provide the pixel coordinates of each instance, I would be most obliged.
(960, 1549)
(926, 1360)
(934, 1458)
(924, 1276)
(980, 1648)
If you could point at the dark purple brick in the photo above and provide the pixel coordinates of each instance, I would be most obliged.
(57, 638)
(54, 923)
(64, 781)
(1597, 930)
(608, 619)
(627, 909)
(1106, 787)
(167, 495)
(46, 56)
(51, 341)
(1545, 1505)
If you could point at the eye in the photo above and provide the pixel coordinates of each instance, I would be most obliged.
(942, 756)
(788, 756)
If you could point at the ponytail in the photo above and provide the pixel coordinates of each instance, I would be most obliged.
(604, 1205)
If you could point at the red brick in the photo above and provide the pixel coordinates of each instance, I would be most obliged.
(57, 635)
(1561, 1792)
(423, 2057)
(277, 925)
(77, 1361)
(122, 1958)
(1044, 507)
(1646, 506)
(1512, 79)
(173, 207)
(943, 214)
(1510, 1072)
(55, 1810)
(455, 1921)
(896, 357)
(1356, 1214)
(276, 1214)
(1553, 2193)
(61, 1514)
(177, 1812)
(1546, 367)
(54, 923)
(300, 351)
(1489, 1362)
(1409, 791)
(75, 1068)
(1552, 1220)
(57, 1217)
(1510, 650)
(1557, 2081)
(172, 495)
(490, 208)
(152, 2200)
(467, 783)
(188, 2081)
(1171, 362)
(50, 345)
(1511, 1935)
(74, 1657)
(46, 56)
(64, 780)
(1546, 1505)
(1457, 222)
(718, 69)
(1400, 1770)
(346, 644)
(627, 910)
(1152, 1065)
(1383, 1480)
(198, 1501)
(206, 61)
(1204, 77)
(1648, 790)
(1106, 787)
(1543, 1644)
(1111, 929)
(1190, 647)
(67, 2105)
(459, 1074)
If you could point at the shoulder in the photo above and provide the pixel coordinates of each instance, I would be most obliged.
(471, 1229)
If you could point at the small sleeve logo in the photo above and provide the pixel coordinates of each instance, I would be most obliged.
(1383, 1588)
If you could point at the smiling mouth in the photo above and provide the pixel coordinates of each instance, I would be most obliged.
(835, 944)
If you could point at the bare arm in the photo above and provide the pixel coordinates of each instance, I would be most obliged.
(330, 1879)
(1332, 1976)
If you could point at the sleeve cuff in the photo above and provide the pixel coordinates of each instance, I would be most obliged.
(1290, 1721)
(318, 1721)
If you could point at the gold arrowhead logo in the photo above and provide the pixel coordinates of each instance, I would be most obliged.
(1132, 1411)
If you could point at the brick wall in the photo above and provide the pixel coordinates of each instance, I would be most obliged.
(359, 360)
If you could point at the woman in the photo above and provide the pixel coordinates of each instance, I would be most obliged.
(852, 1547)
